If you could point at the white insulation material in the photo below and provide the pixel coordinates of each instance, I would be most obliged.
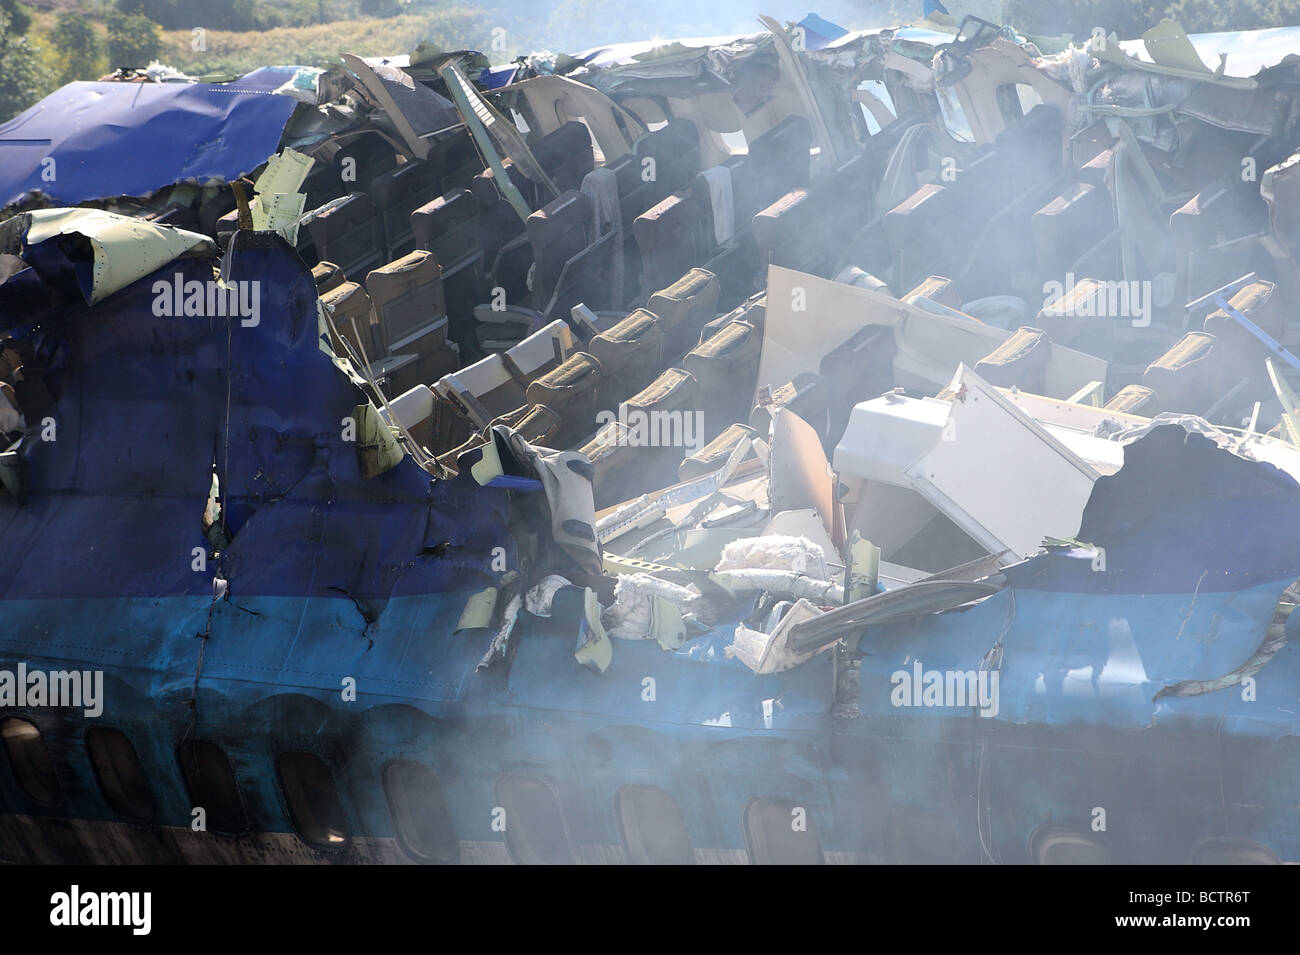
(538, 600)
(782, 583)
(628, 618)
(798, 555)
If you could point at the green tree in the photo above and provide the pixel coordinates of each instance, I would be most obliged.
(23, 80)
(159, 11)
(1209, 16)
(133, 41)
(19, 19)
(381, 8)
(79, 45)
(1127, 18)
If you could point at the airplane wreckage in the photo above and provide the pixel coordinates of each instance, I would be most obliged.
(810, 446)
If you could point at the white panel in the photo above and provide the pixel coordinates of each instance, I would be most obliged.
(410, 407)
(1000, 476)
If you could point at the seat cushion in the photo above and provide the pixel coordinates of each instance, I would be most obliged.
(1190, 376)
(1133, 399)
(1020, 361)
(714, 454)
(350, 309)
(684, 308)
(571, 391)
(327, 277)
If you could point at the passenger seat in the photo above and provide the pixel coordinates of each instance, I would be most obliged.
(348, 231)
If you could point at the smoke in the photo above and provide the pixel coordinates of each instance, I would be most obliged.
(574, 25)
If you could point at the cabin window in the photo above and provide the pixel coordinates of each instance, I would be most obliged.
(1220, 851)
(734, 142)
(121, 776)
(1064, 847)
(780, 833)
(1015, 100)
(882, 112)
(1028, 97)
(954, 117)
(210, 780)
(314, 804)
(535, 830)
(30, 760)
(653, 827)
(723, 122)
(647, 111)
(419, 812)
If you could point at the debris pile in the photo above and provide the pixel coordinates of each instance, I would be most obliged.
(942, 345)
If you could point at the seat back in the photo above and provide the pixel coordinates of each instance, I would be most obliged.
(361, 160)
(631, 353)
(454, 159)
(409, 302)
(572, 391)
(446, 227)
(684, 308)
(541, 351)
(675, 151)
(1020, 361)
(565, 154)
(557, 232)
(327, 277)
(348, 231)
(397, 194)
(481, 391)
(726, 367)
(782, 158)
(671, 237)
(353, 317)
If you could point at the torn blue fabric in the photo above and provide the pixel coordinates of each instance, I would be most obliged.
(100, 140)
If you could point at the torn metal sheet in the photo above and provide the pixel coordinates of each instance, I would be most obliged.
(413, 110)
(774, 652)
(801, 475)
(478, 611)
(1181, 592)
(912, 599)
(124, 249)
(1247, 51)
(1174, 58)
(555, 99)
(992, 69)
(101, 140)
(490, 128)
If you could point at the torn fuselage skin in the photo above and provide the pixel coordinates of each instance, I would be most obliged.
(321, 620)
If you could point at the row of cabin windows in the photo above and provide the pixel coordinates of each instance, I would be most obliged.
(652, 823)
(308, 787)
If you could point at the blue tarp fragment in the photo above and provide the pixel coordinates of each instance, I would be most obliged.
(131, 139)
(495, 77)
(818, 32)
